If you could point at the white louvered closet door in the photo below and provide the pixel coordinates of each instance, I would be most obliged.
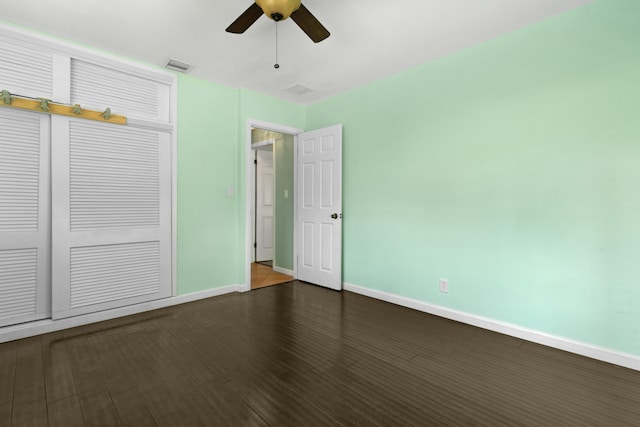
(111, 191)
(24, 217)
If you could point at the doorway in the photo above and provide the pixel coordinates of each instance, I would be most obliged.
(272, 208)
(315, 221)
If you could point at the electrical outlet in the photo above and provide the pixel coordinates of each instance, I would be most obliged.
(444, 285)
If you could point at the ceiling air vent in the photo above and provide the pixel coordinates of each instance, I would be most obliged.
(299, 90)
(177, 65)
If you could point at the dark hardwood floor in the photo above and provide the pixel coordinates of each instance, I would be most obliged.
(297, 354)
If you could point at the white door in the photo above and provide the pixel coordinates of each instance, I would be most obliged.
(264, 204)
(111, 232)
(319, 204)
(25, 281)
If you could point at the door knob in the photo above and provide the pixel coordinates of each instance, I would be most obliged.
(334, 216)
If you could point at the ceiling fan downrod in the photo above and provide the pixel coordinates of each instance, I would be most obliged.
(276, 65)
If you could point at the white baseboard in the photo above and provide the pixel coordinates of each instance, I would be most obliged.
(600, 353)
(25, 330)
(282, 270)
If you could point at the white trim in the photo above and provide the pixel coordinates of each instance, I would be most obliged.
(264, 143)
(30, 329)
(150, 124)
(250, 184)
(173, 118)
(61, 78)
(595, 352)
(273, 127)
(282, 270)
(295, 207)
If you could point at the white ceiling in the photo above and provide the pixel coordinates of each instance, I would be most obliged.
(370, 39)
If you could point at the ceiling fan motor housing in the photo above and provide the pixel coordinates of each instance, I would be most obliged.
(278, 10)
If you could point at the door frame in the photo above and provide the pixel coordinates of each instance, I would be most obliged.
(250, 190)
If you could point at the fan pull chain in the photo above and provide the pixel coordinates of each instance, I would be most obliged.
(276, 65)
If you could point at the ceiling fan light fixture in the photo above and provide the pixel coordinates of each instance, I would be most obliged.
(278, 10)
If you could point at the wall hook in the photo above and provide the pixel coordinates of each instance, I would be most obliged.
(44, 104)
(6, 96)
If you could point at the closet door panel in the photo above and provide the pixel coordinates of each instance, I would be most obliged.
(24, 217)
(111, 216)
(97, 86)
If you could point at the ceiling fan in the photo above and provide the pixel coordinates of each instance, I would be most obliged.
(279, 10)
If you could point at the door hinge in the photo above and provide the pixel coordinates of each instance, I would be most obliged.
(255, 245)
(255, 161)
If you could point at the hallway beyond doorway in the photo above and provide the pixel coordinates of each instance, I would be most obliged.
(263, 275)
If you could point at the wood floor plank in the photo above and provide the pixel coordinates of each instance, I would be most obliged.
(469, 386)
(229, 356)
(88, 378)
(5, 414)
(278, 404)
(346, 406)
(57, 369)
(111, 359)
(30, 414)
(446, 406)
(133, 410)
(584, 364)
(8, 354)
(172, 348)
(140, 356)
(391, 404)
(98, 411)
(65, 413)
(622, 382)
(229, 408)
(589, 404)
(29, 377)
(182, 404)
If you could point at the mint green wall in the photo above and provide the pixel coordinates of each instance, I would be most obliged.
(284, 207)
(208, 220)
(283, 156)
(511, 169)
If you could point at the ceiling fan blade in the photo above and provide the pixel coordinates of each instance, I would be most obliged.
(245, 20)
(309, 24)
